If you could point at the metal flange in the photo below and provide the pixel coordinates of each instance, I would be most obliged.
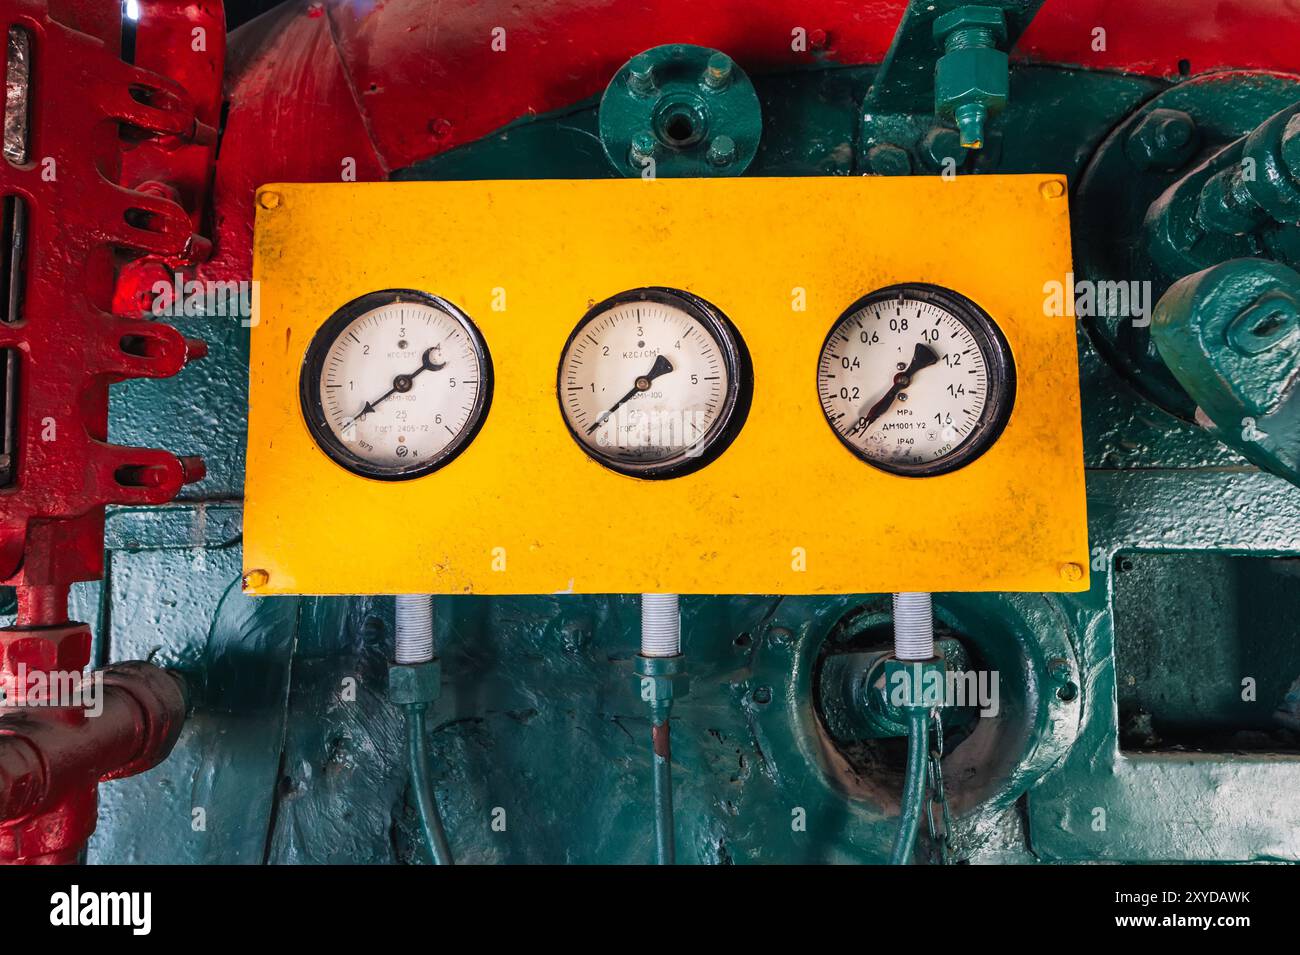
(680, 111)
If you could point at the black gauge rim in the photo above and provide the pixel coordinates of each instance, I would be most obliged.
(736, 401)
(314, 360)
(997, 354)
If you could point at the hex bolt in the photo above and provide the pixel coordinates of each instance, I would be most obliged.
(886, 159)
(644, 146)
(942, 145)
(1164, 139)
(717, 75)
(722, 151)
(641, 75)
(268, 199)
(254, 578)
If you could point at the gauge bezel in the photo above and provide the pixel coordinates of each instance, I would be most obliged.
(999, 403)
(736, 401)
(313, 365)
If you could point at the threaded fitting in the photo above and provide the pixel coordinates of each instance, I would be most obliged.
(970, 38)
(913, 627)
(661, 625)
(413, 642)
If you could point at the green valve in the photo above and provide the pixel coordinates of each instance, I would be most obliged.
(971, 79)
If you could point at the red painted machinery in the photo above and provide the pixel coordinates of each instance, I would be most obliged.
(104, 182)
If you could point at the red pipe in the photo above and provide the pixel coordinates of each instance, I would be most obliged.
(124, 720)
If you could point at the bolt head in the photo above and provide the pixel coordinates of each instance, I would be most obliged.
(1071, 572)
(255, 578)
(268, 199)
(886, 159)
(942, 144)
(717, 74)
(644, 144)
(1164, 139)
(641, 75)
(722, 151)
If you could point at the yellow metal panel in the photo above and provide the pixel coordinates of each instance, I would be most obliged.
(786, 509)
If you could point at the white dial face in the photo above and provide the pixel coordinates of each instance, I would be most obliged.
(904, 381)
(400, 387)
(645, 383)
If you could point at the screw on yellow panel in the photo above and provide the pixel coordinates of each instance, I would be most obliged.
(254, 579)
(1071, 572)
(1052, 189)
(268, 199)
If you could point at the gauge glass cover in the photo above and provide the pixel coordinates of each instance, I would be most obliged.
(396, 384)
(916, 380)
(654, 383)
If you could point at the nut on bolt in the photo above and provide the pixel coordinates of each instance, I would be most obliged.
(916, 684)
(412, 683)
(659, 680)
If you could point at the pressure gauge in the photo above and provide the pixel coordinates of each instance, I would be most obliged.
(654, 383)
(395, 384)
(916, 380)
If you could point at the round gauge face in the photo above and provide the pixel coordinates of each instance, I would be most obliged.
(654, 383)
(916, 380)
(396, 384)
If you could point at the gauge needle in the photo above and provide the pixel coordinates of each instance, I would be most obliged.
(662, 366)
(923, 357)
(402, 383)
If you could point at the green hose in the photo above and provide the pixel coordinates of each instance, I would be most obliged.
(435, 839)
(909, 817)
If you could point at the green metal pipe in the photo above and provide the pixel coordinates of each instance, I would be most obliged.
(435, 838)
(663, 766)
(909, 816)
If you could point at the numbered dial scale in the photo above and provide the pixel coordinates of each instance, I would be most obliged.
(396, 384)
(654, 383)
(916, 380)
